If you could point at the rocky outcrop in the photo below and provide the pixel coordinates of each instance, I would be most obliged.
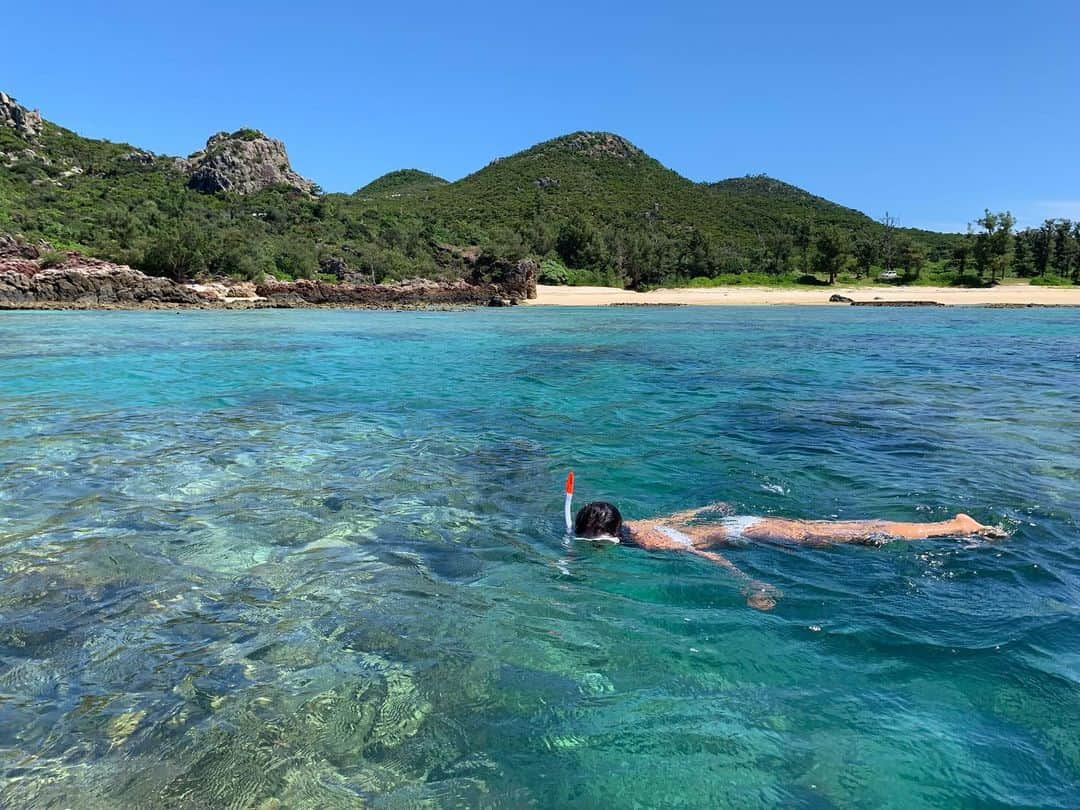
(896, 304)
(39, 277)
(415, 292)
(36, 276)
(594, 144)
(91, 287)
(243, 162)
(515, 281)
(12, 114)
(839, 299)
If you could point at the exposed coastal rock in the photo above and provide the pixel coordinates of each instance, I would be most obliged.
(336, 266)
(839, 299)
(39, 277)
(515, 281)
(416, 292)
(896, 304)
(79, 281)
(244, 162)
(12, 114)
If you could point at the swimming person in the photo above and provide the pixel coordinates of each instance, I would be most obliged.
(602, 520)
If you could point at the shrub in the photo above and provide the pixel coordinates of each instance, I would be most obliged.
(1051, 281)
(247, 134)
(297, 261)
(552, 271)
(51, 258)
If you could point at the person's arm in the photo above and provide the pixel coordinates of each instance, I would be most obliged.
(759, 595)
(687, 515)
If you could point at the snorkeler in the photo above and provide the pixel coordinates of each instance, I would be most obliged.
(601, 520)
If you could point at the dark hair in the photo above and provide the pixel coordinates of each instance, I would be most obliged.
(596, 519)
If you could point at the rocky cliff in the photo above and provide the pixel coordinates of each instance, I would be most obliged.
(39, 277)
(243, 162)
(36, 276)
(25, 122)
(503, 285)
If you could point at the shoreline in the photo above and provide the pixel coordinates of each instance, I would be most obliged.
(1003, 295)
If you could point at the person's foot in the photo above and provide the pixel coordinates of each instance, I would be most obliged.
(968, 525)
(761, 596)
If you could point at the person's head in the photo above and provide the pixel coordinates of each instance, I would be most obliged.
(598, 519)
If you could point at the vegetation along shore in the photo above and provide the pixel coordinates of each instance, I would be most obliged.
(234, 225)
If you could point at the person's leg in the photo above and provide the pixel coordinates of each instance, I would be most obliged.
(860, 531)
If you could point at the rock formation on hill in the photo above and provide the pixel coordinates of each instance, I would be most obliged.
(12, 114)
(243, 162)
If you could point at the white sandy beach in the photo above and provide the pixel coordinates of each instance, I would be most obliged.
(746, 296)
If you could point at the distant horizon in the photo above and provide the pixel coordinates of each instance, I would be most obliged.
(931, 114)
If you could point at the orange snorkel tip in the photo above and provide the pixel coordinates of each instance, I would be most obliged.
(566, 504)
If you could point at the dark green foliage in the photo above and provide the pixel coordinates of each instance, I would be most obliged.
(865, 250)
(912, 259)
(830, 251)
(402, 181)
(993, 245)
(179, 254)
(51, 258)
(960, 258)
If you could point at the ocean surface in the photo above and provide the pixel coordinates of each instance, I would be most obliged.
(291, 559)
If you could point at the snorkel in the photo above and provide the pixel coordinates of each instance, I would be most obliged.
(567, 514)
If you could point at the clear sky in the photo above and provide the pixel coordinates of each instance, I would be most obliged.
(932, 111)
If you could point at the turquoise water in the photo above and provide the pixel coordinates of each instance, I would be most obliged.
(315, 559)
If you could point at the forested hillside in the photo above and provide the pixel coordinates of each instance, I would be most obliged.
(590, 207)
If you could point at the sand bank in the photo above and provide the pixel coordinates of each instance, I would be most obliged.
(743, 296)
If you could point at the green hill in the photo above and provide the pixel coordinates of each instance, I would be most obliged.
(402, 181)
(590, 201)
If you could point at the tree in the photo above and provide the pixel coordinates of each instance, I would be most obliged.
(1022, 254)
(179, 254)
(866, 252)
(993, 245)
(695, 260)
(911, 259)
(830, 251)
(578, 244)
(297, 260)
(961, 255)
(776, 251)
(1076, 247)
(802, 236)
(1064, 248)
(888, 241)
(1042, 245)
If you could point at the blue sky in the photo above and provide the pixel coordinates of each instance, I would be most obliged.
(932, 111)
